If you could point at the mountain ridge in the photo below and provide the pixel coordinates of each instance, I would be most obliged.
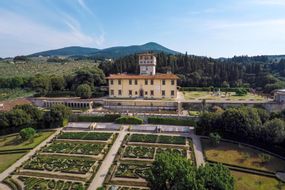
(111, 52)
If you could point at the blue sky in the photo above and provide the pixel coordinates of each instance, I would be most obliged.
(216, 28)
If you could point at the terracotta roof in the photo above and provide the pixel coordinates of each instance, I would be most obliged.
(157, 76)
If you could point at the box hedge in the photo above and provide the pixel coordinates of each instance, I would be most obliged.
(171, 121)
(129, 120)
(94, 118)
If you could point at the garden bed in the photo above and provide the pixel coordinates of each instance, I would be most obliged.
(85, 136)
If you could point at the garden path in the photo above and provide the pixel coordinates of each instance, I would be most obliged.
(4, 187)
(18, 163)
(198, 150)
(107, 162)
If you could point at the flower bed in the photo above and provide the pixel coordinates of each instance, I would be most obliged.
(32, 183)
(143, 138)
(132, 171)
(139, 152)
(181, 152)
(72, 135)
(171, 140)
(62, 164)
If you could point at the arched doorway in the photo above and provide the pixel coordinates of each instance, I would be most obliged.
(141, 92)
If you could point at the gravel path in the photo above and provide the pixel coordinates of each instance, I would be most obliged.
(107, 162)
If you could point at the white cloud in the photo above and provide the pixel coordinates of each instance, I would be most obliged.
(20, 35)
(85, 7)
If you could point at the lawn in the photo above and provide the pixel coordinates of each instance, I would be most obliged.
(12, 142)
(198, 95)
(234, 154)
(245, 181)
(8, 159)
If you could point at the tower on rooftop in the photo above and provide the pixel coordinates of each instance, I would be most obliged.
(147, 62)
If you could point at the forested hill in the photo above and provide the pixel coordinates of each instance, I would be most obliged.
(113, 52)
(260, 72)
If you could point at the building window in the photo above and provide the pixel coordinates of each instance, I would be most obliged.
(151, 93)
(146, 82)
(120, 92)
(112, 92)
(136, 82)
(163, 92)
(136, 92)
(130, 82)
(172, 92)
(111, 82)
(163, 82)
(151, 82)
(130, 93)
(119, 82)
(145, 92)
(172, 82)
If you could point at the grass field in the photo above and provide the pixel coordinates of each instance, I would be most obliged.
(233, 154)
(8, 159)
(10, 94)
(34, 67)
(198, 95)
(13, 142)
(245, 181)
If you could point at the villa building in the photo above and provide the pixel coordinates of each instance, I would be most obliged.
(148, 84)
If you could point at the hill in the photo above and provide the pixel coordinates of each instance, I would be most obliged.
(67, 51)
(113, 52)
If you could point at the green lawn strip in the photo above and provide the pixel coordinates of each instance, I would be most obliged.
(235, 155)
(247, 181)
(13, 142)
(6, 160)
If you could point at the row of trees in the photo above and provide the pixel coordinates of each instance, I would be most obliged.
(197, 71)
(27, 115)
(43, 85)
(172, 171)
(246, 125)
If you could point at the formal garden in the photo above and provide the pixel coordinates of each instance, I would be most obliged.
(136, 155)
(68, 162)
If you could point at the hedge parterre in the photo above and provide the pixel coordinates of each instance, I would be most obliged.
(62, 164)
(74, 148)
(85, 136)
(32, 183)
(158, 139)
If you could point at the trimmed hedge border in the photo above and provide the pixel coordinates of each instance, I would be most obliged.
(94, 118)
(171, 121)
(129, 120)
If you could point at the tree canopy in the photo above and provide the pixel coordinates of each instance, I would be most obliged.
(172, 171)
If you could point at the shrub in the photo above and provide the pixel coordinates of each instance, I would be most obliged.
(264, 157)
(129, 120)
(27, 133)
(171, 121)
(215, 139)
(94, 118)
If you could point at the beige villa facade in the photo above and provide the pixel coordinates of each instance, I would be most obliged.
(147, 84)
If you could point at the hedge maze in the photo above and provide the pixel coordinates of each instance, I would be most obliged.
(68, 162)
(138, 151)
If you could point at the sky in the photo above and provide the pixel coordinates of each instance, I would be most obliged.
(214, 28)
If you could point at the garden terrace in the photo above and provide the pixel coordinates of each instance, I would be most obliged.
(85, 136)
(242, 156)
